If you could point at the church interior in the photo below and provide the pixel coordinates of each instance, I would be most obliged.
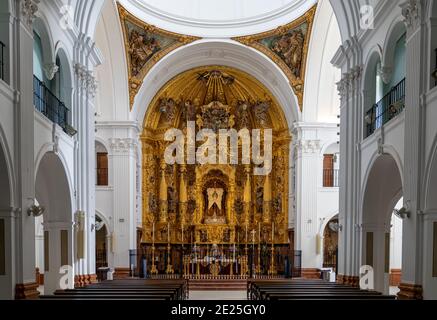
(221, 150)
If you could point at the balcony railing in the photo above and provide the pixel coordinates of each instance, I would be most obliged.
(434, 74)
(386, 109)
(2, 60)
(331, 178)
(50, 106)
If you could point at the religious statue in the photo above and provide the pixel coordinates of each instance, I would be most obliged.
(290, 48)
(243, 115)
(215, 211)
(167, 108)
(141, 48)
(261, 111)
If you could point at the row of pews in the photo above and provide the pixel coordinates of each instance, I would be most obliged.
(282, 290)
(126, 289)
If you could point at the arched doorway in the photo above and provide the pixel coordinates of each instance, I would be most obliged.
(382, 192)
(53, 194)
(102, 247)
(330, 244)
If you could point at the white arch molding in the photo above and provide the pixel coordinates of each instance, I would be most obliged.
(218, 24)
(218, 52)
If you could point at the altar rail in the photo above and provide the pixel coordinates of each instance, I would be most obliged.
(221, 262)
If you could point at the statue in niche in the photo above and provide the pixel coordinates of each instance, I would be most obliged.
(141, 49)
(239, 207)
(167, 107)
(191, 207)
(261, 110)
(277, 204)
(172, 200)
(243, 115)
(259, 200)
(290, 48)
(153, 204)
(215, 211)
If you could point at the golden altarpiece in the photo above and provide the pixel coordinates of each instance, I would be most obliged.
(211, 210)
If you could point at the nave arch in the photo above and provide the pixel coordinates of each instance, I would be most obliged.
(383, 190)
(52, 191)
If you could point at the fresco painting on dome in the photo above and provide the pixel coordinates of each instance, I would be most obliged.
(289, 46)
(143, 45)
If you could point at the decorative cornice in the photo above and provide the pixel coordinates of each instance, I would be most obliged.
(385, 73)
(349, 81)
(412, 11)
(307, 146)
(125, 145)
(28, 10)
(86, 79)
(259, 42)
(50, 70)
(152, 43)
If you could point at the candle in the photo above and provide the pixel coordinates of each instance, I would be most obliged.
(168, 232)
(259, 232)
(153, 233)
(182, 234)
(246, 235)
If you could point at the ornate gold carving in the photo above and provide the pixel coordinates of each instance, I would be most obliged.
(287, 46)
(215, 96)
(145, 45)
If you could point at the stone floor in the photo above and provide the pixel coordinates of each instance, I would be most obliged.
(218, 295)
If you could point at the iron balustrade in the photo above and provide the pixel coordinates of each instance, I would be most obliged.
(331, 178)
(388, 108)
(434, 74)
(2, 60)
(50, 106)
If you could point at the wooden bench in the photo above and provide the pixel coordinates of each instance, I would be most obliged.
(308, 290)
(126, 289)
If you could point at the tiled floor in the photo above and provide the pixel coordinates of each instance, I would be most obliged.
(218, 295)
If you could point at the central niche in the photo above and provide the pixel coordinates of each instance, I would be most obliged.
(214, 203)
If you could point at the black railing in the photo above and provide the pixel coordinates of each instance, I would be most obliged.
(389, 107)
(2, 60)
(50, 106)
(331, 178)
(434, 74)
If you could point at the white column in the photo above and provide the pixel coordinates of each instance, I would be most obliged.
(21, 62)
(307, 224)
(124, 157)
(416, 82)
(86, 59)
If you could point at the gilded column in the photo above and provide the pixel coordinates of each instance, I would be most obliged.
(247, 196)
(267, 200)
(163, 200)
(183, 196)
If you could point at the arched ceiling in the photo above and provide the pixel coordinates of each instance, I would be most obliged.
(218, 19)
(203, 86)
